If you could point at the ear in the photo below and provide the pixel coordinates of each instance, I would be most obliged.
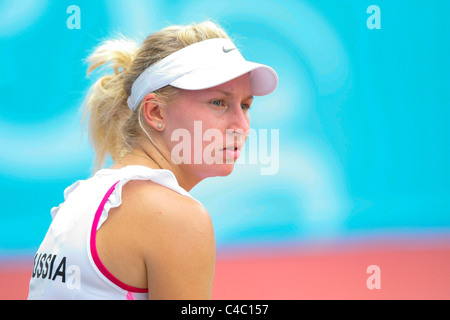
(152, 112)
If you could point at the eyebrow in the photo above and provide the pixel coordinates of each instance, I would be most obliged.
(229, 94)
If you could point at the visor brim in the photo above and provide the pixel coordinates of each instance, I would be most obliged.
(263, 78)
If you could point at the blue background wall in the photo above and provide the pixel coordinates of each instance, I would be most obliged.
(362, 116)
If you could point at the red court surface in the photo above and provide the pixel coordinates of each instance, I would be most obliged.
(406, 271)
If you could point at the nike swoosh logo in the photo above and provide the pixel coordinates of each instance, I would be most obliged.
(228, 50)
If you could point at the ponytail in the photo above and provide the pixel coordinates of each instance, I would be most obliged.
(106, 103)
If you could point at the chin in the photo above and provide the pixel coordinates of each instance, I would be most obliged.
(217, 170)
(225, 169)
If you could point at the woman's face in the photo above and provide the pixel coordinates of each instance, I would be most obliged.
(205, 130)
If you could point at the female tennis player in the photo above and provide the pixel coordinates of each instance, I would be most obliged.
(174, 112)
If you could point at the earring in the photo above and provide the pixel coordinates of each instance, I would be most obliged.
(159, 125)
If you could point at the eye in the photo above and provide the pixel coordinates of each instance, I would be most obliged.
(245, 106)
(218, 103)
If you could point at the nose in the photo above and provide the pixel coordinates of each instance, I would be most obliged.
(239, 121)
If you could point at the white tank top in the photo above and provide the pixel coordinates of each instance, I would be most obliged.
(66, 265)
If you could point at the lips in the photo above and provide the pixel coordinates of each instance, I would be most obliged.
(232, 151)
(230, 148)
(233, 147)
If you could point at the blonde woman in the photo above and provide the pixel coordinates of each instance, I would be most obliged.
(174, 112)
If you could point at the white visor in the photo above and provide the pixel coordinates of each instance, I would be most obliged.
(202, 65)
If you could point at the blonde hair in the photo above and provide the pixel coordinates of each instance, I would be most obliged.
(113, 128)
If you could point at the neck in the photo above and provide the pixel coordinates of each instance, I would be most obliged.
(151, 157)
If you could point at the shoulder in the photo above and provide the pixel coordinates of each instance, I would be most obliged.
(167, 216)
(158, 203)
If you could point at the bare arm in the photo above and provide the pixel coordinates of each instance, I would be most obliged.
(180, 251)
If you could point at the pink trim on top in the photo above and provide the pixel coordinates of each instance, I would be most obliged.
(94, 252)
